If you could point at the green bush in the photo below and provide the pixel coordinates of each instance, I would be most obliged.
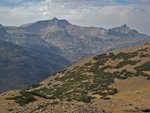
(105, 98)
(127, 56)
(126, 62)
(143, 55)
(85, 98)
(24, 99)
(144, 67)
(148, 78)
(112, 56)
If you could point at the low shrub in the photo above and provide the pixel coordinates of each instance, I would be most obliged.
(24, 99)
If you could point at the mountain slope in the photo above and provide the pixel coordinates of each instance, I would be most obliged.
(20, 68)
(4, 35)
(99, 72)
(114, 82)
(26, 59)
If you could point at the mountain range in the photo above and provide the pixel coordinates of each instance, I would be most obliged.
(77, 42)
(36, 50)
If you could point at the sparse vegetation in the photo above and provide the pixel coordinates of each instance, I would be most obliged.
(125, 56)
(144, 67)
(146, 110)
(143, 55)
(10, 110)
(126, 62)
(80, 87)
(148, 78)
(105, 98)
(77, 83)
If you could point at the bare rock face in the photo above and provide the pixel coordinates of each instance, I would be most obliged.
(72, 41)
(78, 42)
(124, 30)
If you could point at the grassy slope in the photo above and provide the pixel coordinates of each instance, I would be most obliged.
(110, 79)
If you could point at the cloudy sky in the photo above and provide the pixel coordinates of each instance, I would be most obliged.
(100, 13)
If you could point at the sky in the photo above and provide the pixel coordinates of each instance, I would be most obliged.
(98, 13)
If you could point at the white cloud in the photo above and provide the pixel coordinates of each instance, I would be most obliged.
(81, 12)
(145, 1)
(14, 1)
(21, 15)
(45, 13)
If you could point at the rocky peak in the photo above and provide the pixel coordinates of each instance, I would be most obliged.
(123, 30)
(1, 25)
(3, 31)
(54, 20)
(124, 26)
(41, 25)
(59, 22)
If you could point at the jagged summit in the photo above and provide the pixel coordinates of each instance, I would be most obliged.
(3, 32)
(124, 30)
(40, 25)
(124, 26)
(60, 22)
(1, 25)
(55, 18)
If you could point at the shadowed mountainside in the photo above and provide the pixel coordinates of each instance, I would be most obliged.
(28, 62)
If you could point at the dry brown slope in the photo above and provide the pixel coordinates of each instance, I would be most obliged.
(127, 67)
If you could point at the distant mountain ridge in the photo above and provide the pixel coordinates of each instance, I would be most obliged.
(78, 42)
